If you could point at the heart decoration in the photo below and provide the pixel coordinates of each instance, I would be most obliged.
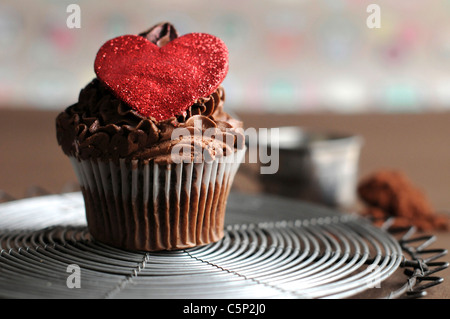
(162, 82)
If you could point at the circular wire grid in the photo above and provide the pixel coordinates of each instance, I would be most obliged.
(273, 248)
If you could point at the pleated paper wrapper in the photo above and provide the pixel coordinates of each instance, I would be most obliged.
(143, 206)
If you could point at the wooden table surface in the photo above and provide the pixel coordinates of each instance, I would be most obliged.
(417, 144)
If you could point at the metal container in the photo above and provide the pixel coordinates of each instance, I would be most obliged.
(316, 166)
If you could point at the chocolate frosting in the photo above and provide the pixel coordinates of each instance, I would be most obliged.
(160, 34)
(103, 127)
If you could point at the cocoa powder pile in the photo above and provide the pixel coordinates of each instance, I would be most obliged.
(390, 193)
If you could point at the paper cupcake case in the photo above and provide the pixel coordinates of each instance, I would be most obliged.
(141, 205)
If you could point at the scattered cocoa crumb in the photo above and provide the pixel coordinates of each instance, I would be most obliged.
(389, 193)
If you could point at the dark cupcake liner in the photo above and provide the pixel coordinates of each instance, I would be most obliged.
(141, 205)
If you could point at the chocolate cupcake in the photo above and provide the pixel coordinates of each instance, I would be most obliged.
(153, 150)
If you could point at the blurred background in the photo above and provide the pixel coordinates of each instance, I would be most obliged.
(286, 56)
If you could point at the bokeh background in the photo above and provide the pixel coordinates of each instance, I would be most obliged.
(286, 56)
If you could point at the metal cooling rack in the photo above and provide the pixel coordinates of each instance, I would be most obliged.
(273, 248)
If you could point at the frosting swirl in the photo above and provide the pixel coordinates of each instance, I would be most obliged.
(101, 126)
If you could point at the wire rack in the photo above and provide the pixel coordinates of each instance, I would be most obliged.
(273, 248)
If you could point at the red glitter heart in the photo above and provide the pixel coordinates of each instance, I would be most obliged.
(162, 82)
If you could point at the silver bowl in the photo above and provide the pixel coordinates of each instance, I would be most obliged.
(315, 166)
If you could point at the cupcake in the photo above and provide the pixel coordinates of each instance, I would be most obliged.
(150, 143)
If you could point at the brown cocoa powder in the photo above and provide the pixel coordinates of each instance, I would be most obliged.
(390, 193)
